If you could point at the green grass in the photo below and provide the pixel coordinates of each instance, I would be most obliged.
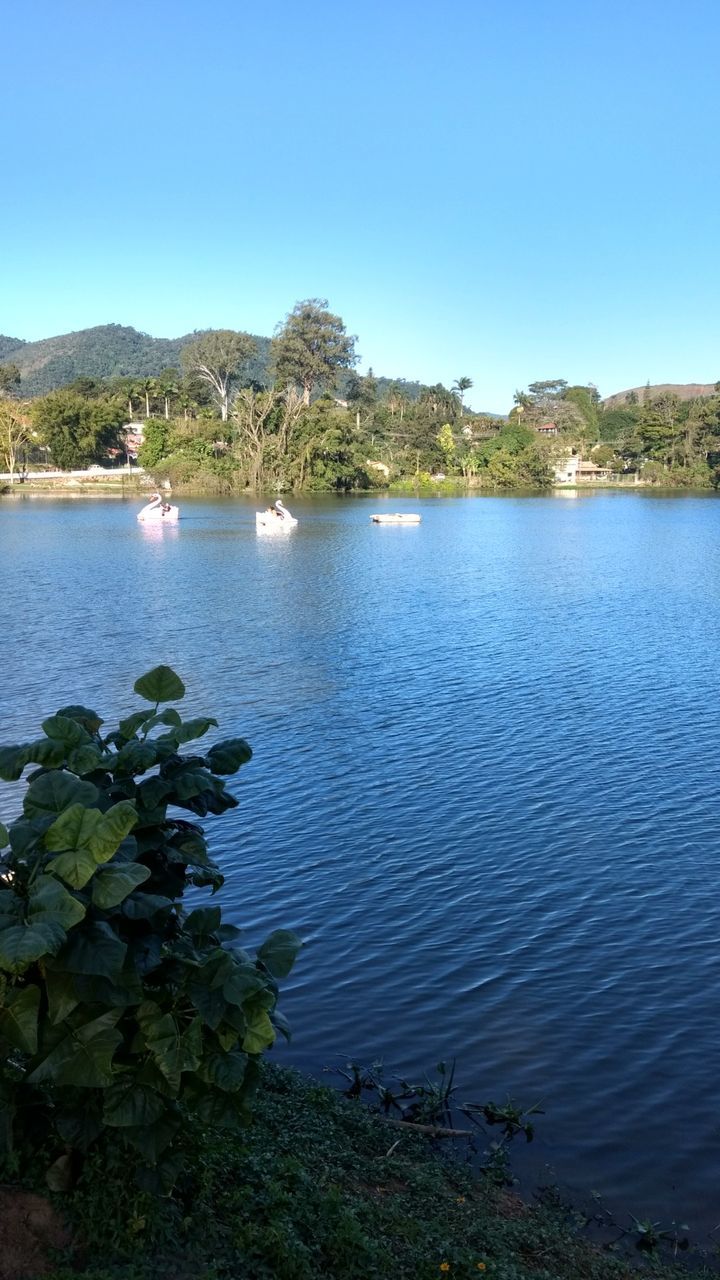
(313, 1189)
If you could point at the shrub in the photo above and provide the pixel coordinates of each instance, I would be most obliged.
(119, 1010)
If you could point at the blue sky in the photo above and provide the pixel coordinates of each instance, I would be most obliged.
(506, 190)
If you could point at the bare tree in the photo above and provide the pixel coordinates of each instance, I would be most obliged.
(264, 423)
(16, 434)
(217, 357)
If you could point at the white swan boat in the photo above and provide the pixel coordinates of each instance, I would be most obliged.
(396, 517)
(277, 519)
(158, 512)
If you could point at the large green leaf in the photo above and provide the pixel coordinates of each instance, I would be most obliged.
(12, 762)
(89, 720)
(48, 752)
(153, 791)
(75, 868)
(203, 921)
(52, 792)
(260, 1033)
(11, 908)
(62, 997)
(85, 759)
(243, 981)
(135, 757)
(83, 1058)
(19, 1019)
(152, 1139)
(129, 1104)
(113, 884)
(50, 903)
(228, 756)
(145, 906)
(70, 732)
(73, 829)
(94, 949)
(189, 783)
(22, 945)
(25, 834)
(189, 730)
(279, 951)
(129, 727)
(98, 834)
(160, 685)
(117, 823)
(225, 1070)
(174, 1050)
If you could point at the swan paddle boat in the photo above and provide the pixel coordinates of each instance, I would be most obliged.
(158, 512)
(396, 517)
(277, 519)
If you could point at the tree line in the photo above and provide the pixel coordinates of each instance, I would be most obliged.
(315, 423)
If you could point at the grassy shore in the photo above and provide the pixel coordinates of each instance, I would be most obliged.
(319, 1187)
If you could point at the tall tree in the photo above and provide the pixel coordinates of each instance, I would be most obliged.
(16, 434)
(78, 431)
(9, 379)
(217, 357)
(311, 346)
(169, 388)
(461, 385)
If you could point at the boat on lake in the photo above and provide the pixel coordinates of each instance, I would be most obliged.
(396, 517)
(158, 512)
(277, 519)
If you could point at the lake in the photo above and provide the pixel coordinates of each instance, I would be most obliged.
(484, 789)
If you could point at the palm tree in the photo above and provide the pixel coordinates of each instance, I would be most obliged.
(461, 385)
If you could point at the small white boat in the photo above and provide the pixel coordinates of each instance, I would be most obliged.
(396, 517)
(158, 512)
(277, 519)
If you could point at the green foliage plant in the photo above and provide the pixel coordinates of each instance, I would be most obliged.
(120, 1011)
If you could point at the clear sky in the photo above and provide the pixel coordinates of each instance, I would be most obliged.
(506, 190)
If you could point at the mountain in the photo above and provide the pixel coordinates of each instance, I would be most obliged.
(116, 350)
(106, 351)
(8, 346)
(683, 391)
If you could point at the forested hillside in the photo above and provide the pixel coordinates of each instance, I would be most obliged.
(8, 346)
(641, 395)
(119, 351)
(106, 351)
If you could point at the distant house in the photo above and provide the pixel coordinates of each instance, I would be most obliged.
(378, 466)
(576, 470)
(134, 434)
(547, 429)
(590, 471)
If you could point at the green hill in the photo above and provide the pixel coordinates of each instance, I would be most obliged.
(116, 350)
(9, 346)
(106, 351)
(683, 391)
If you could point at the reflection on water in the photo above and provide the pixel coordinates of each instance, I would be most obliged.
(484, 785)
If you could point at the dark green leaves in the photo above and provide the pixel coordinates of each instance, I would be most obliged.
(120, 1009)
(21, 945)
(160, 685)
(228, 756)
(112, 885)
(94, 950)
(69, 732)
(55, 791)
(279, 952)
(19, 1019)
(50, 903)
(83, 1059)
(85, 838)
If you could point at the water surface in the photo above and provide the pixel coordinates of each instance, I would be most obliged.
(484, 790)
